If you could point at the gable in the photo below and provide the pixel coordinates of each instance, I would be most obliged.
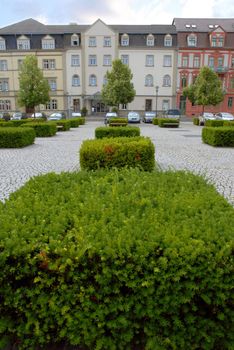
(99, 28)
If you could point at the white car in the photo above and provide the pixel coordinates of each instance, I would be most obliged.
(57, 116)
(17, 116)
(203, 117)
(134, 117)
(38, 115)
(110, 115)
(76, 114)
(224, 116)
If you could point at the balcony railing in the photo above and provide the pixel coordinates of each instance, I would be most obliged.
(220, 69)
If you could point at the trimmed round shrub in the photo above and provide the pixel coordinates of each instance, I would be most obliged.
(129, 131)
(155, 121)
(16, 137)
(221, 136)
(44, 129)
(117, 260)
(74, 123)
(117, 152)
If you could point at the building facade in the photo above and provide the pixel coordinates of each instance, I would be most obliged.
(205, 42)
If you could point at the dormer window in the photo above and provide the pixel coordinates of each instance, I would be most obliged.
(168, 40)
(192, 40)
(150, 40)
(217, 38)
(2, 44)
(23, 43)
(74, 40)
(48, 43)
(124, 40)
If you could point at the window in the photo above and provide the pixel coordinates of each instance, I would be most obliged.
(2, 44)
(220, 61)
(52, 84)
(165, 105)
(75, 80)
(3, 64)
(232, 83)
(211, 62)
(107, 41)
(232, 64)
(107, 60)
(184, 82)
(149, 62)
(5, 105)
(93, 80)
(74, 40)
(217, 40)
(20, 62)
(92, 41)
(196, 61)
(75, 60)
(124, 40)
(123, 106)
(48, 43)
(166, 80)
(220, 41)
(214, 41)
(192, 40)
(150, 40)
(23, 43)
(149, 81)
(92, 60)
(52, 104)
(230, 102)
(4, 85)
(167, 60)
(168, 40)
(125, 59)
(185, 61)
(48, 64)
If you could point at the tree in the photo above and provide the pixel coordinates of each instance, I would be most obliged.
(206, 90)
(119, 88)
(33, 87)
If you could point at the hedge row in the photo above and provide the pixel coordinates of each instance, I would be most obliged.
(16, 137)
(42, 129)
(116, 132)
(117, 260)
(174, 123)
(114, 121)
(215, 123)
(64, 125)
(117, 152)
(221, 136)
(76, 122)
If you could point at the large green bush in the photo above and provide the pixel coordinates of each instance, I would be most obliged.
(221, 136)
(16, 137)
(214, 123)
(116, 132)
(115, 261)
(168, 122)
(42, 129)
(117, 152)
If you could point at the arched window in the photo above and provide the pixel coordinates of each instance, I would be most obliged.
(168, 40)
(75, 80)
(150, 40)
(149, 81)
(92, 80)
(124, 40)
(74, 40)
(184, 81)
(192, 40)
(48, 43)
(166, 80)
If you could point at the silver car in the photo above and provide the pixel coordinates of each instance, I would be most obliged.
(203, 117)
(134, 117)
(57, 116)
(148, 117)
(109, 116)
(224, 116)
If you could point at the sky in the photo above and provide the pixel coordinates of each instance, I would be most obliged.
(112, 11)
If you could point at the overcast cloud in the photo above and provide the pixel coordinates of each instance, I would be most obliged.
(112, 11)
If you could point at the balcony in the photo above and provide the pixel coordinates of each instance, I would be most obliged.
(220, 69)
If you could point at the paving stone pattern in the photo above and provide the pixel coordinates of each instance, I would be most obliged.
(180, 148)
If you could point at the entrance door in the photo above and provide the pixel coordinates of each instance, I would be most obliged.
(76, 104)
(182, 104)
(165, 105)
(148, 105)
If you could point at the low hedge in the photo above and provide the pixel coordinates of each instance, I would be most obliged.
(155, 121)
(64, 124)
(74, 123)
(116, 260)
(42, 129)
(117, 152)
(16, 137)
(196, 121)
(222, 136)
(8, 124)
(228, 123)
(174, 123)
(114, 121)
(116, 132)
(214, 123)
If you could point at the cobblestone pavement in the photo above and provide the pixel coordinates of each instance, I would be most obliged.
(180, 148)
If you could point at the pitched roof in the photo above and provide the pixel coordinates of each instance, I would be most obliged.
(203, 24)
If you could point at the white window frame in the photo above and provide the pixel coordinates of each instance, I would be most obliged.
(53, 84)
(48, 64)
(23, 44)
(75, 40)
(192, 40)
(167, 61)
(185, 61)
(52, 105)
(92, 41)
(92, 60)
(5, 105)
(48, 44)
(167, 80)
(107, 60)
(168, 40)
(196, 61)
(150, 40)
(75, 60)
(149, 80)
(149, 60)
(75, 80)
(92, 80)
(125, 59)
(125, 40)
(3, 65)
(107, 41)
(4, 84)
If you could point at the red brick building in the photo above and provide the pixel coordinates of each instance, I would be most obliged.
(205, 42)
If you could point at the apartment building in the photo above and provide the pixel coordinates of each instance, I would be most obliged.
(74, 58)
(205, 42)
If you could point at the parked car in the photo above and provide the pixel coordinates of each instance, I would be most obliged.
(206, 116)
(38, 115)
(172, 113)
(224, 116)
(110, 115)
(18, 116)
(57, 116)
(5, 116)
(75, 114)
(134, 117)
(148, 117)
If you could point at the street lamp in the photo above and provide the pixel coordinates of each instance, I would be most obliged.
(156, 89)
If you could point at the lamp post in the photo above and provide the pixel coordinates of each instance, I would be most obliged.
(156, 89)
